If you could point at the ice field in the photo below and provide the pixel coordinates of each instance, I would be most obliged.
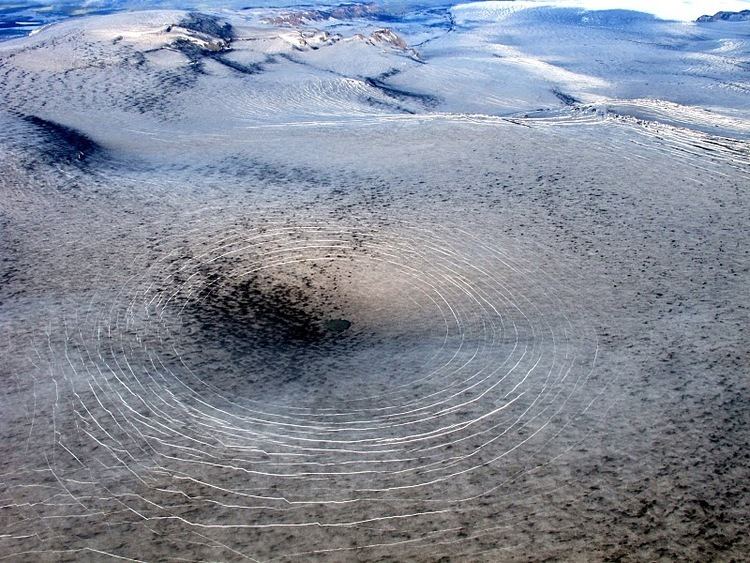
(372, 282)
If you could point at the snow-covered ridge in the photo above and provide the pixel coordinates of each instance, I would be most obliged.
(743, 15)
(251, 67)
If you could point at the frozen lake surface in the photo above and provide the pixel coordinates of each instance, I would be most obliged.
(374, 283)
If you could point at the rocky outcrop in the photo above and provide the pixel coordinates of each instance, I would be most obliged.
(198, 33)
(380, 36)
(743, 15)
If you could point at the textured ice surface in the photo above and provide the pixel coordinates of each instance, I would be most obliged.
(344, 283)
(20, 18)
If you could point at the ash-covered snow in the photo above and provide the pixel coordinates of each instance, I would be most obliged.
(375, 283)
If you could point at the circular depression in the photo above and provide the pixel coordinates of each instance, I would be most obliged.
(315, 373)
(264, 313)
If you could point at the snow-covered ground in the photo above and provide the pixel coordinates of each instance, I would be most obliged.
(494, 58)
(376, 282)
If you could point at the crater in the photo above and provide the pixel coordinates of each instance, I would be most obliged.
(309, 332)
(262, 312)
(337, 326)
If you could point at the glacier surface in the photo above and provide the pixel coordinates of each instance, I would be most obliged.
(375, 282)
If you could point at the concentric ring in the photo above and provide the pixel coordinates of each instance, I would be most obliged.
(274, 374)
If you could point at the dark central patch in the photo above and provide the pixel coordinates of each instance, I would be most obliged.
(337, 326)
(255, 334)
(303, 331)
(259, 313)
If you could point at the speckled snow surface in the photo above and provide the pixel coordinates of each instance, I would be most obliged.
(452, 285)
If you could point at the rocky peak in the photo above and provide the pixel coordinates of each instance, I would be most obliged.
(743, 15)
